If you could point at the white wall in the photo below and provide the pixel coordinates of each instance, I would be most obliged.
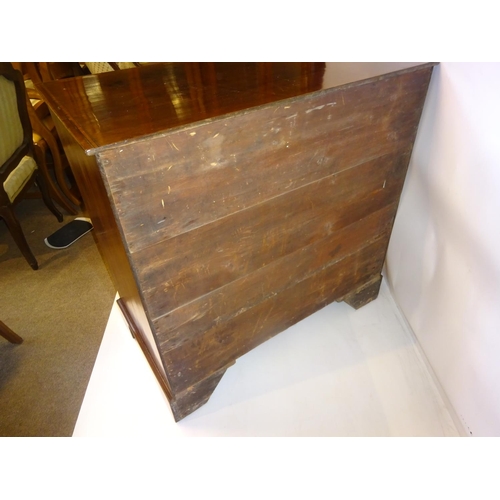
(443, 263)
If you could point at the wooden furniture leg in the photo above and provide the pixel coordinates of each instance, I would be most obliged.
(182, 403)
(40, 180)
(8, 334)
(40, 154)
(196, 396)
(364, 294)
(46, 141)
(8, 215)
(15, 229)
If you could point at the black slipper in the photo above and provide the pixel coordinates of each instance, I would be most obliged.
(68, 234)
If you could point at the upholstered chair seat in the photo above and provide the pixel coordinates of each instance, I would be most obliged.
(19, 177)
(18, 169)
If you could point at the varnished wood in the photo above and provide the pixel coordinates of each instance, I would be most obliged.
(46, 146)
(122, 105)
(56, 70)
(137, 334)
(240, 197)
(7, 212)
(9, 334)
(106, 231)
(47, 150)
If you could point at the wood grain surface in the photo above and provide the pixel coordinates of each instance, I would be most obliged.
(244, 203)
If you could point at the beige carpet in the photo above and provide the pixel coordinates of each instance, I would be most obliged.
(61, 312)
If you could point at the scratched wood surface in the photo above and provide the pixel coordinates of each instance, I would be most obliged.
(239, 227)
(232, 200)
(212, 170)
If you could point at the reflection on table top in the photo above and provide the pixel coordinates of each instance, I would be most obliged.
(109, 108)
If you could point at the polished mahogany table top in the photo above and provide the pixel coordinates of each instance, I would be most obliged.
(109, 108)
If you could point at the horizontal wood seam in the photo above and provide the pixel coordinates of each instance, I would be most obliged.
(307, 276)
(280, 195)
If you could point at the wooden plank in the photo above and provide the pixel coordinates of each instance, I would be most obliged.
(219, 346)
(192, 264)
(176, 182)
(219, 306)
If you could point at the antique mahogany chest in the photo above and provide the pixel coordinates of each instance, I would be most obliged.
(231, 200)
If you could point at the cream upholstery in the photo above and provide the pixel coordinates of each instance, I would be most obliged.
(104, 67)
(125, 65)
(98, 67)
(18, 178)
(11, 138)
(10, 124)
(18, 169)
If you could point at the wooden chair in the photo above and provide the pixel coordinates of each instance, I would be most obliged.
(47, 71)
(18, 168)
(49, 153)
(8, 334)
